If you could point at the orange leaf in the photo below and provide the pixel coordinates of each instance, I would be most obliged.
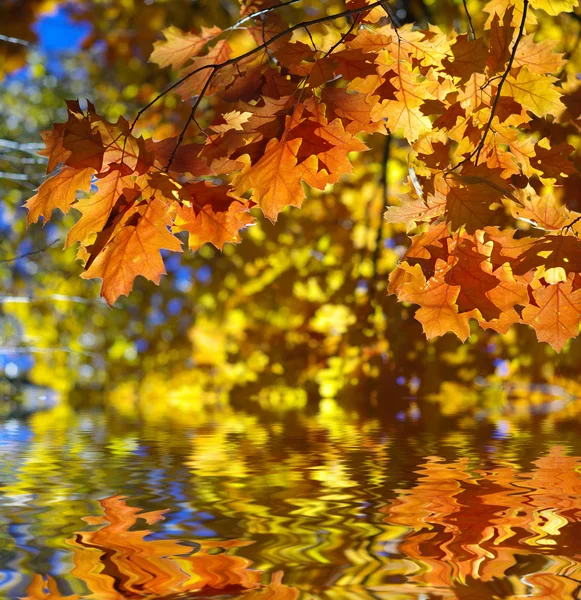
(180, 46)
(96, 208)
(214, 215)
(557, 313)
(134, 251)
(59, 191)
(275, 179)
(438, 312)
(469, 57)
(501, 35)
(200, 70)
(538, 57)
(55, 151)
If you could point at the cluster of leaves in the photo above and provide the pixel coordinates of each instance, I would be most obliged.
(497, 152)
(488, 128)
(116, 562)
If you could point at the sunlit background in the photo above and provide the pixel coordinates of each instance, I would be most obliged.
(267, 411)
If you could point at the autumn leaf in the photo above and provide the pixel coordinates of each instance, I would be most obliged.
(438, 312)
(535, 92)
(541, 211)
(352, 108)
(470, 205)
(555, 7)
(180, 46)
(556, 314)
(134, 251)
(96, 208)
(468, 56)
(404, 115)
(196, 75)
(412, 210)
(501, 36)
(84, 144)
(485, 128)
(54, 151)
(275, 179)
(538, 57)
(212, 214)
(59, 191)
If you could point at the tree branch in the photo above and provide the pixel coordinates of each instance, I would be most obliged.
(478, 149)
(470, 25)
(259, 13)
(218, 66)
(31, 253)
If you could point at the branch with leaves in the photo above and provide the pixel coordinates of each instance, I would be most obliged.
(489, 128)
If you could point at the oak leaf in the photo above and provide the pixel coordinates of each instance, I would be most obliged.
(212, 214)
(96, 208)
(556, 314)
(180, 46)
(59, 191)
(275, 179)
(134, 251)
(535, 92)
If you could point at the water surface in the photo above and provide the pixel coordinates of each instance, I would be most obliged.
(303, 506)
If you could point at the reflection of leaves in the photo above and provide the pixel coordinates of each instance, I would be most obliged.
(275, 590)
(41, 589)
(479, 524)
(116, 561)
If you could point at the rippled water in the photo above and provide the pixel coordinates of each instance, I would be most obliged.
(307, 506)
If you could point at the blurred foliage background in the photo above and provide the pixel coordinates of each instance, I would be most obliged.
(295, 315)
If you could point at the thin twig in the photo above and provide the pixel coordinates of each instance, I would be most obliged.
(478, 149)
(470, 25)
(311, 38)
(259, 13)
(342, 38)
(191, 118)
(31, 253)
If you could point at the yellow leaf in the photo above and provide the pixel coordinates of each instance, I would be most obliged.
(555, 7)
(59, 191)
(535, 92)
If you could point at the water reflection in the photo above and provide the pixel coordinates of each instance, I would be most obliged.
(347, 507)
